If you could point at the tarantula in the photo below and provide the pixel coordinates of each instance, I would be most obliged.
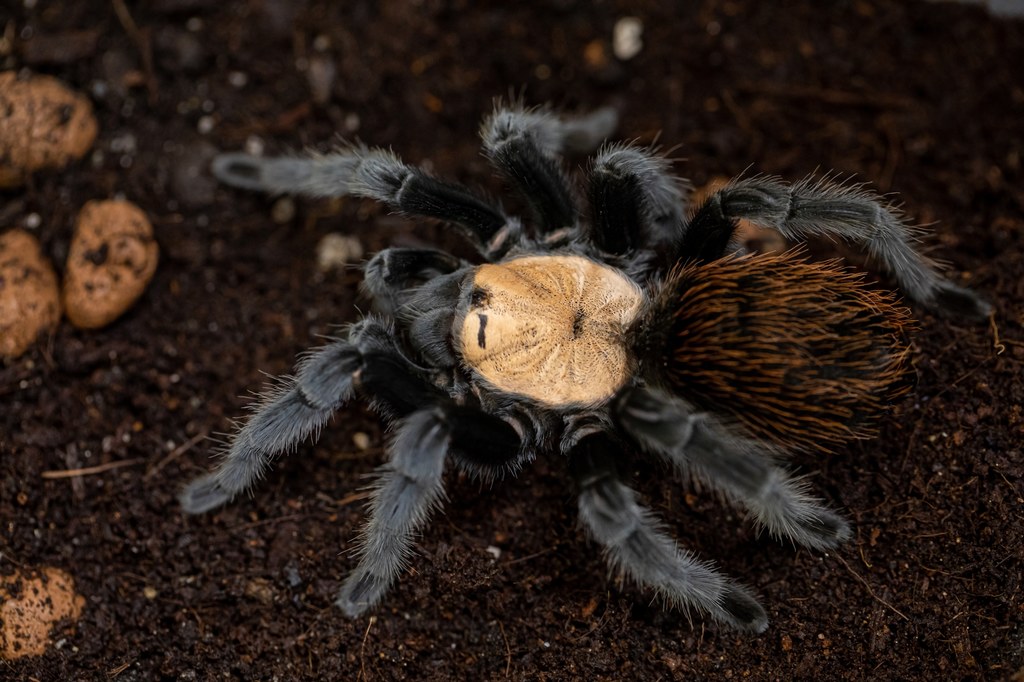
(643, 327)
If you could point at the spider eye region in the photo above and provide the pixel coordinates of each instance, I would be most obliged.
(550, 328)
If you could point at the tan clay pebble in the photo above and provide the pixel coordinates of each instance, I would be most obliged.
(43, 124)
(112, 258)
(31, 603)
(29, 295)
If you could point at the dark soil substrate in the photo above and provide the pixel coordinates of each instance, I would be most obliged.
(924, 99)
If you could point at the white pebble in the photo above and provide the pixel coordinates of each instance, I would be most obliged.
(337, 250)
(283, 210)
(627, 38)
(254, 146)
(361, 440)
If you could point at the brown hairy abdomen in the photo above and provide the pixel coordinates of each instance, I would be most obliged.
(801, 354)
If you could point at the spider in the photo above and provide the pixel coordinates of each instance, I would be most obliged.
(643, 328)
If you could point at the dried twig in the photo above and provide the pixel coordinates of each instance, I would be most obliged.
(829, 96)
(871, 591)
(88, 471)
(508, 650)
(141, 39)
(174, 454)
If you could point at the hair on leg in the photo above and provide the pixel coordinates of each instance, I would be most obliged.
(636, 201)
(524, 146)
(301, 404)
(741, 469)
(708, 232)
(485, 445)
(553, 135)
(298, 407)
(375, 174)
(821, 207)
(637, 546)
(402, 268)
(410, 487)
(397, 276)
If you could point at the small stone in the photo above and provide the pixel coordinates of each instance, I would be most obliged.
(321, 74)
(337, 250)
(283, 211)
(261, 590)
(111, 260)
(29, 294)
(44, 125)
(627, 38)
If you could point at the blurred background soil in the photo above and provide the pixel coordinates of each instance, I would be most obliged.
(921, 99)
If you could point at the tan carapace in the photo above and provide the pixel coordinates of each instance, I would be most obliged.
(551, 328)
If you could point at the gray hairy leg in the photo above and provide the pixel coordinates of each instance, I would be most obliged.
(297, 408)
(636, 545)
(738, 468)
(636, 201)
(410, 487)
(525, 144)
(375, 174)
(820, 207)
(552, 135)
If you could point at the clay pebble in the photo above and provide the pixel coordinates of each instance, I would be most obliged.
(111, 260)
(32, 603)
(29, 295)
(43, 124)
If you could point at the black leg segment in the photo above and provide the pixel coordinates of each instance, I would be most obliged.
(708, 233)
(423, 195)
(617, 202)
(538, 178)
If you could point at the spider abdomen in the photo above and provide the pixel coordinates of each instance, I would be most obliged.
(800, 354)
(550, 328)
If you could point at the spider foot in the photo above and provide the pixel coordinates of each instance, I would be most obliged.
(203, 494)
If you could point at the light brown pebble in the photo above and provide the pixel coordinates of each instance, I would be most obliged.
(29, 295)
(31, 603)
(43, 124)
(112, 258)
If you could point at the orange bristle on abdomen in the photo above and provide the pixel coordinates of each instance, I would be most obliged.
(800, 354)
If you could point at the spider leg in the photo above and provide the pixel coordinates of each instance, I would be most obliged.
(525, 144)
(411, 486)
(376, 174)
(301, 405)
(394, 276)
(738, 468)
(637, 203)
(636, 545)
(818, 207)
(398, 268)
